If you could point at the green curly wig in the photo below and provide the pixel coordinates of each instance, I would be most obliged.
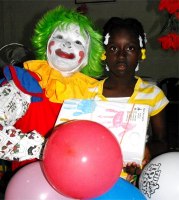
(62, 17)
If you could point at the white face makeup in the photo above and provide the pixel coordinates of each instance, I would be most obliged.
(67, 50)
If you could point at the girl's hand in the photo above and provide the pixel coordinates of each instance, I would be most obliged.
(133, 169)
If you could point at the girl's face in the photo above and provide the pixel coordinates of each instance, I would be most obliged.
(67, 50)
(122, 52)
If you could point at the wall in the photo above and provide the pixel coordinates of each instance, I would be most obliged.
(18, 17)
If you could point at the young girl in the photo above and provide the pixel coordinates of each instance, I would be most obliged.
(125, 46)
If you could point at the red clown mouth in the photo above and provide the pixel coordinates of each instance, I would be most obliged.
(62, 54)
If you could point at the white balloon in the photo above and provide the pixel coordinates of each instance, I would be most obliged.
(159, 179)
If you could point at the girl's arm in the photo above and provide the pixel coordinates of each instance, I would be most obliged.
(158, 144)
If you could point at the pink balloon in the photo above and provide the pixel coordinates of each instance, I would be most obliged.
(29, 183)
(82, 159)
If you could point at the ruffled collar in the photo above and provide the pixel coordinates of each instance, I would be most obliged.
(58, 88)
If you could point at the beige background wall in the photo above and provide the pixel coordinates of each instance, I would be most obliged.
(18, 17)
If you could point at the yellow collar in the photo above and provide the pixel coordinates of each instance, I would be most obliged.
(59, 88)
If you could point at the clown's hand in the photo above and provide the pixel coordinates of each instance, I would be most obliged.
(15, 145)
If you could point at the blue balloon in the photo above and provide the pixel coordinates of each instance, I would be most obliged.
(122, 190)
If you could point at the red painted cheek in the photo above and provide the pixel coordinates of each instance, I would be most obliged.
(50, 46)
(81, 54)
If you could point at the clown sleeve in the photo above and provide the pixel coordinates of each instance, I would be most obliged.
(18, 89)
(17, 146)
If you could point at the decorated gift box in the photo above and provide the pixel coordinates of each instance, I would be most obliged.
(128, 122)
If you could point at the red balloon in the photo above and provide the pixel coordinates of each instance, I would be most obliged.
(82, 159)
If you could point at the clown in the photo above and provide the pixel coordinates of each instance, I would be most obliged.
(69, 52)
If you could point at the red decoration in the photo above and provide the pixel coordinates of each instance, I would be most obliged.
(172, 6)
(170, 41)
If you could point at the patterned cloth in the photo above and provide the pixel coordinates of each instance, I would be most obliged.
(14, 103)
(15, 145)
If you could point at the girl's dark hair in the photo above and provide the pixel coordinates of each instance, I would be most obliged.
(131, 24)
